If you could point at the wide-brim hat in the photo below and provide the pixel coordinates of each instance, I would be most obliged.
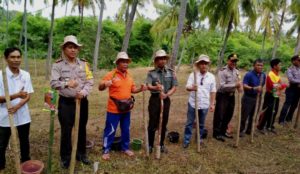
(122, 55)
(70, 39)
(204, 58)
(161, 53)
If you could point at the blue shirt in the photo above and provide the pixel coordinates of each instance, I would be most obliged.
(252, 79)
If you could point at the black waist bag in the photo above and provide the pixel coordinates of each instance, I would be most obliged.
(124, 105)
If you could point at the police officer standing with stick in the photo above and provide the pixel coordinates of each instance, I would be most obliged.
(74, 80)
(162, 82)
(225, 100)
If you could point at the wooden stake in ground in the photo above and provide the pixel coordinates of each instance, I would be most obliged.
(196, 113)
(239, 117)
(297, 117)
(157, 155)
(257, 107)
(12, 125)
(145, 127)
(75, 138)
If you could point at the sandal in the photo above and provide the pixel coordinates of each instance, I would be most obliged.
(128, 153)
(106, 156)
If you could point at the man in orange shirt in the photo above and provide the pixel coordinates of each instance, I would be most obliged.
(121, 86)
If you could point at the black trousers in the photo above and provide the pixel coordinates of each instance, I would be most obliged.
(223, 113)
(268, 118)
(23, 132)
(66, 116)
(154, 114)
(292, 96)
(247, 112)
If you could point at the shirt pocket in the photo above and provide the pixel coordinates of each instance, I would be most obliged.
(65, 75)
(82, 75)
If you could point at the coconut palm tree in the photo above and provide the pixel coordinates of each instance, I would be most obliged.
(50, 42)
(283, 5)
(96, 50)
(226, 14)
(269, 20)
(66, 3)
(129, 23)
(295, 12)
(82, 4)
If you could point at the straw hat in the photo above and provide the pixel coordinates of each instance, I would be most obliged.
(122, 55)
(70, 39)
(204, 58)
(161, 53)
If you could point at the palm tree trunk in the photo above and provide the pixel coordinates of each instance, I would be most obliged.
(25, 36)
(81, 18)
(263, 44)
(181, 18)
(49, 55)
(21, 33)
(96, 50)
(221, 58)
(297, 49)
(182, 53)
(127, 13)
(277, 37)
(129, 25)
(67, 2)
(7, 19)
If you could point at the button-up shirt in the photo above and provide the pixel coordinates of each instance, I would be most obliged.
(206, 83)
(252, 79)
(15, 84)
(165, 76)
(293, 74)
(228, 79)
(63, 71)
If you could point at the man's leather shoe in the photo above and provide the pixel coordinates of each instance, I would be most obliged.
(219, 138)
(84, 160)
(150, 149)
(65, 164)
(226, 135)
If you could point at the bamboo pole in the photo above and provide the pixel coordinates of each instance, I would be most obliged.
(12, 125)
(145, 127)
(159, 128)
(297, 117)
(75, 140)
(239, 116)
(196, 113)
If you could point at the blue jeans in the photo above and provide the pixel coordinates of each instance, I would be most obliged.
(111, 124)
(190, 120)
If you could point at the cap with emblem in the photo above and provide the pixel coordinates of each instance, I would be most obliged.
(70, 39)
(295, 57)
(161, 53)
(122, 55)
(203, 58)
(233, 57)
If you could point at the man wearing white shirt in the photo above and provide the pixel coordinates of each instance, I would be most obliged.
(206, 92)
(20, 88)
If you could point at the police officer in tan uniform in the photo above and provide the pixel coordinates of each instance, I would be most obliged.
(73, 79)
(229, 81)
(162, 82)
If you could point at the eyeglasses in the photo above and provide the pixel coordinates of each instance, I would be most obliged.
(201, 82)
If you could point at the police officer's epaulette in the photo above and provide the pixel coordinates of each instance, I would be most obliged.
(82, 59)
(171, 69)
(151, 70)
(59, 60)
(223, 68)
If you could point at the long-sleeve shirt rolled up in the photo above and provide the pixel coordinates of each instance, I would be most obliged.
(228, 79)
(293, 74)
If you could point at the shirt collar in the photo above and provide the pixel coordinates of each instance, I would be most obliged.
(160, 70)
(11, 74)
(76, 60)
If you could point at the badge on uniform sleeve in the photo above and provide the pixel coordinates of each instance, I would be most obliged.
(88, 72)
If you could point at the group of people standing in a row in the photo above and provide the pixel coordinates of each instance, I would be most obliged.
(73, 79)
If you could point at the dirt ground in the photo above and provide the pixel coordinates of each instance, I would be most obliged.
(268, 154)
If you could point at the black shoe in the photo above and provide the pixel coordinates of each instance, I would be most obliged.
(84, 160)
(226, 135)
(65, 164)
(150, 149)
(185, 145)
(272, 131)
(2, 168)
(163, 149)
(219, 138)
(248, 132)
(242, 134)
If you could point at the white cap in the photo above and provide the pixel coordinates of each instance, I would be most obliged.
(204, 58)
(122, 55)
(71, 39)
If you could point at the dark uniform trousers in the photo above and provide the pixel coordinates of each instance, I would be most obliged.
(223, 112)
(247, 112)
(291, 102)
(267, 119)
(23, 132)
(154, 115)
(66, 116)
